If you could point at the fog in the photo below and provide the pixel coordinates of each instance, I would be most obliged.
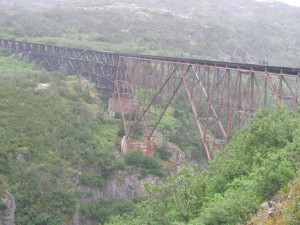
(289, 2)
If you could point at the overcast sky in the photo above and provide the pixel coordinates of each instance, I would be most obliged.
(290, 2)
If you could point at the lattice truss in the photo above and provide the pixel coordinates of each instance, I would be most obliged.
(99, 67)
(144, 90)
(222, 100)
(223, 96)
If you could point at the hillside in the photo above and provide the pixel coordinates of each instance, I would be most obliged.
(254, 167)
(53, 132)
(60, 160)
(234, 30)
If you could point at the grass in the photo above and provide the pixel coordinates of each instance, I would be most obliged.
(49, 139)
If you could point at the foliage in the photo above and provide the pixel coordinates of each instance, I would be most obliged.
(256, 164)
(245, 31)
(147, 165)
(178, 199)
(40, 201)
(48, 139)
(285, 210)
(3, 184)
(292, 212)
(3, 206)
(162, 152)
(92, 180)
(178, 126)
(100, 212)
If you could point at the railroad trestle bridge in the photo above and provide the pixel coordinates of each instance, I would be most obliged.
(223, 96)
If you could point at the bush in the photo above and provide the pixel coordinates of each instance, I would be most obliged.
(255, 165)
(163, 153)
(55, 132)
(100, 212)
(3, 205)
(148, 165)
(92, 180)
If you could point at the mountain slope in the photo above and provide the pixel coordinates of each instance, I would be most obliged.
(235, 30)
(55, 136)
(255, 166)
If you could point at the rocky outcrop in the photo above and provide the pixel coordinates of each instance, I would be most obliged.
(268, 206)
(90, 194)
(125, 185)
(122, 185)
(7, 210)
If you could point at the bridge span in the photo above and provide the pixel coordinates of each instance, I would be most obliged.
(223, 96)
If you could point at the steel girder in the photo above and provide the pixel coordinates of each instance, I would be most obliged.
(223, 96)
(222, 100)
(98, 67)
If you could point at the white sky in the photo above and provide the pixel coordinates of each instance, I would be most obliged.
(289, 2)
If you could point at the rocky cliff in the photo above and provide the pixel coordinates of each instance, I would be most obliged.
(7, 210)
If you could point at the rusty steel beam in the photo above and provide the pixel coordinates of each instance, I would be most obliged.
(203, 137)
(223, 96)
(99, 67)
(151, 87)
(229, 97)
(155, 97)
(19, 46)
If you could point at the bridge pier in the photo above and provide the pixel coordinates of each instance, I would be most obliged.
(141, 88)
(145, 147)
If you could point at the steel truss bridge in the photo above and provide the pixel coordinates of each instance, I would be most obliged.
(223, 96)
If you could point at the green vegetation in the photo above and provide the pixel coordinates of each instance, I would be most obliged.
(291, 212)
(245, 31)
(286, 210)
(146, 164)
(49, 137)
(162, 152)
(53, 140)
(255, 165)
(102, 211)
(178, 127)
(92, 180)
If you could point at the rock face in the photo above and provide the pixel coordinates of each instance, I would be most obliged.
(121, 186)
(7, 210)
(90, 194)
(125, 185)
(268, 206)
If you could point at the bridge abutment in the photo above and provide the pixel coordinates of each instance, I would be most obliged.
(145, 147)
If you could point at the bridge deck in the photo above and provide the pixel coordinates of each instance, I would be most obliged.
(223, 96)
(221, 64)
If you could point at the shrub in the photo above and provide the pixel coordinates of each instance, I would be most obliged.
(3, 205)
(100, 212)
(255, 165)
(163, 153)
(92, 180)
(148, 165)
